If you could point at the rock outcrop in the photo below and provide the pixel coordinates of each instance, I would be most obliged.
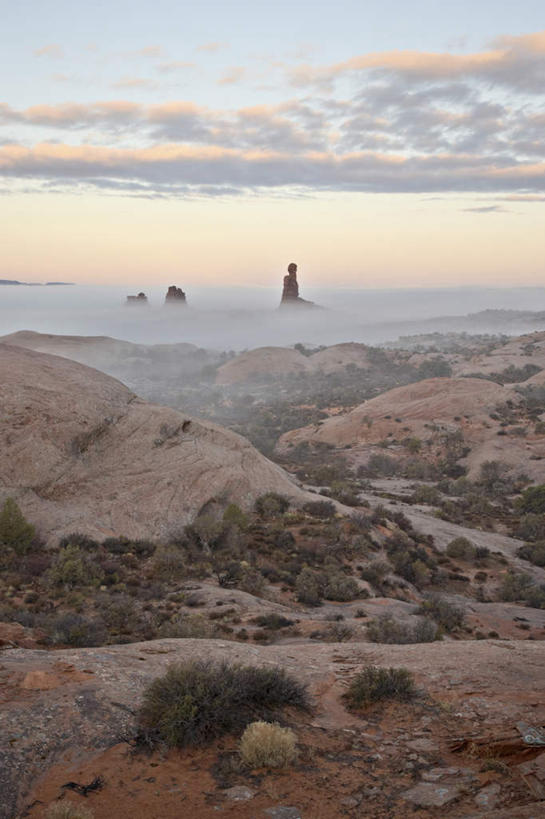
(175, 295)
(464, 406)
(80, 452)
(140, 299)
(290, 291)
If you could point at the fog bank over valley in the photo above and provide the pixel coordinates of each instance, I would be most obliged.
(231, 318)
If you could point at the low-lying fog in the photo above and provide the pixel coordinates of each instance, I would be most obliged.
(241, 318)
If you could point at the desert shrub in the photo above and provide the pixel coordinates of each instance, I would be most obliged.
(448, 616)
(197, 701)
(68, 810)
(235, 516)
(377, 684)
(118, 612)
(15, 531)
(535, 597)
(341, 587)
(338, 633)
(375, 572)
(533, 552)
(515, 586)
(123, 545)
(186, 626)
(80, 540)
(309, 587)
(385, 629)
(251, 581)
(531, 526)
(72, 567)
(268, 745)
(426, 494)
(532, 500)
(76, 630)
(284, 539)
(320, 509)
(272, 621)
(380, 465)
(271, 505)
(169, 563)
(461, 548)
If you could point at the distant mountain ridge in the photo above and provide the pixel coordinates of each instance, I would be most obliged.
(35, 284)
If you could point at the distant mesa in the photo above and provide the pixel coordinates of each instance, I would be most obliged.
(175, 295)
(140, 299)
(290, 292)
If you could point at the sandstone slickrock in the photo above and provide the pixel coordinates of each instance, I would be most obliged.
(447, 404)
(80, 452)
(77, 702)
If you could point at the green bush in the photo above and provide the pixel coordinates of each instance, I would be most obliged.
(341, 587)
(378, 684)
(72, 567)
(532, 500)
(15, 531)
(385, 629)
(273, 621)
(533, 552)
(309, 587)
(197, 701)
(531, 526)
(448, 616)
(78, 631)
(515, 586)
(271, 505)
(235, 516)
(461, 548)
(320, 509)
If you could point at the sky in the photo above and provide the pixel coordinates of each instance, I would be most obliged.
(377, 144)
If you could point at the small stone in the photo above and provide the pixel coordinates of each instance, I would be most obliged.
(488, 796)
(439, 773)
(422, 745)
(428, 795)
(351, 801)
(283, 812)
(239, 793)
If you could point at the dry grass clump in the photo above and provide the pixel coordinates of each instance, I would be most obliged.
(68, 810)
(268, 745)
(377, 684)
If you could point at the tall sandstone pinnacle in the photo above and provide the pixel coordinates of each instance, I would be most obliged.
(81, 452)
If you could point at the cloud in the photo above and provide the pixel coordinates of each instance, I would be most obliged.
(52, 50)
(232, 75)
(174, 65)
(211, 48)
(486, 209)
(216, 167)
(133, 82)
(516, 61)
(149, 51)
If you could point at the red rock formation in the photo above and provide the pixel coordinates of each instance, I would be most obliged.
(290, 292)
(141, 298)
(175, 295)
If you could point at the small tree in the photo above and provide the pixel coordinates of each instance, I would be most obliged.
(15, 530)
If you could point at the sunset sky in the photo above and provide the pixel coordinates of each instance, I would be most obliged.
(378, 143)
